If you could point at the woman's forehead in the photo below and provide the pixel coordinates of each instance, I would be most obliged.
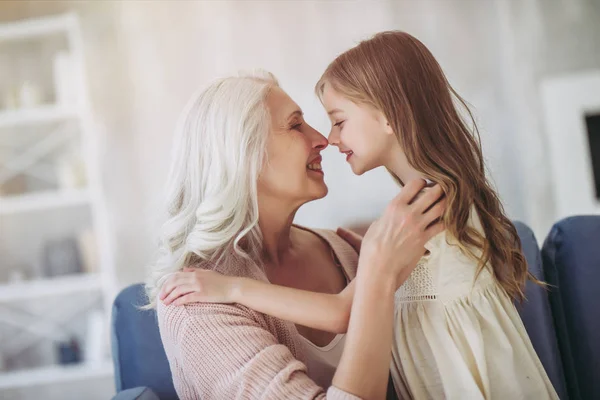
(281, 105)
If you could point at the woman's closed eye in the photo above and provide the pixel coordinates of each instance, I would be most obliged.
(297, 126)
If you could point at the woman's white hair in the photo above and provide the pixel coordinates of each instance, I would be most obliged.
(211, 200)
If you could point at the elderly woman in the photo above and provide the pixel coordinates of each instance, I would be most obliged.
(244, 162)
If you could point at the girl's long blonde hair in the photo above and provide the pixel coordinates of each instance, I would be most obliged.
(395, 73)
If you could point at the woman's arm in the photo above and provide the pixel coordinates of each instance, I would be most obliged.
(369, 339)
(403, 229)
(226, 352)
(328, 312)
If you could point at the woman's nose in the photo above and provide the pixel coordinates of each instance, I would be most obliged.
(319, 141)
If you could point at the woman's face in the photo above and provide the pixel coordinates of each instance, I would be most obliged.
(292, 172)
(359, 131)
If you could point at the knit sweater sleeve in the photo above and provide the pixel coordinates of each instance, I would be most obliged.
(225, 352)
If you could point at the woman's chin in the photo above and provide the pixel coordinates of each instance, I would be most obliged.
(319, 191)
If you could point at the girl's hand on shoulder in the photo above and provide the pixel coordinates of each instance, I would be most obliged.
(194, 285)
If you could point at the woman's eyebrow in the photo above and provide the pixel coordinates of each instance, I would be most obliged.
(298, 113)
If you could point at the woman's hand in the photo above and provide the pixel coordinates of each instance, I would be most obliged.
(394, 243)
(195, 285)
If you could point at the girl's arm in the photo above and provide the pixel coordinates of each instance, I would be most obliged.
(328, 312)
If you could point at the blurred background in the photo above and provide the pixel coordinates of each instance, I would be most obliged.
(90, 92)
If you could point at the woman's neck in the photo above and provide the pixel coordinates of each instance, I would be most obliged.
(276, 225)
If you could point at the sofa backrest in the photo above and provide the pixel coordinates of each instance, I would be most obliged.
(536, 313)
(571, 257)
(138, 354)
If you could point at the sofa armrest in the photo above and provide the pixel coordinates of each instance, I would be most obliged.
(137, 393)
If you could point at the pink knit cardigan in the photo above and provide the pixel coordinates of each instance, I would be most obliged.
(219, 351)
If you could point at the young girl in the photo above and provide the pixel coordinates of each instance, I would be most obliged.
(457, 333)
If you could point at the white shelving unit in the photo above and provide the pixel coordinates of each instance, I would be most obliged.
(39, 288)
(54, 375)
(47, 118)
(46, 200)
(36, 116)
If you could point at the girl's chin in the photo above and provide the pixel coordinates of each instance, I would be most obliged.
(357, 170)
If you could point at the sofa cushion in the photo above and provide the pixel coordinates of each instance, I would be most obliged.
(138, 393)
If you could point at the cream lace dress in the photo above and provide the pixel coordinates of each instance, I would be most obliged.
(457, 338)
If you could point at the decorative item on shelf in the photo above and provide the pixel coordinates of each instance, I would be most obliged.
(16, 275)
(30, 95)
(69, 352)
(88, 251)
(10, 98)
(14, 186)
(64, 84)
(16, 272)
(61, 257)
(70, 170)
(95, 345)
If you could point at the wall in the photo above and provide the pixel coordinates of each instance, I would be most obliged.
(542, 39)
(145, 59)
(295, 40)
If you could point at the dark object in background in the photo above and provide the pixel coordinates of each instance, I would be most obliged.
(69, 352)
(592, 123)
(61, 257)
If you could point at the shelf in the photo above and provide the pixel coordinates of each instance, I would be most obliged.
(38, 27)
(43, 114)
(43, 132)
(55, 374)
(10, 292)
(43, 201)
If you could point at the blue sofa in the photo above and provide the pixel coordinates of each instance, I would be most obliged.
(571, 259)
(562, 321)
(141, 366)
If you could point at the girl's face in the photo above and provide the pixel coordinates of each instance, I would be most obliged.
(363, 133)
(359, 131)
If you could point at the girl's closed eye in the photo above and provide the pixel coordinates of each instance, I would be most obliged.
(339, 124)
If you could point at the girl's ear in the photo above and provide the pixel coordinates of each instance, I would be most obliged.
(387, 128)
(385, 125)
